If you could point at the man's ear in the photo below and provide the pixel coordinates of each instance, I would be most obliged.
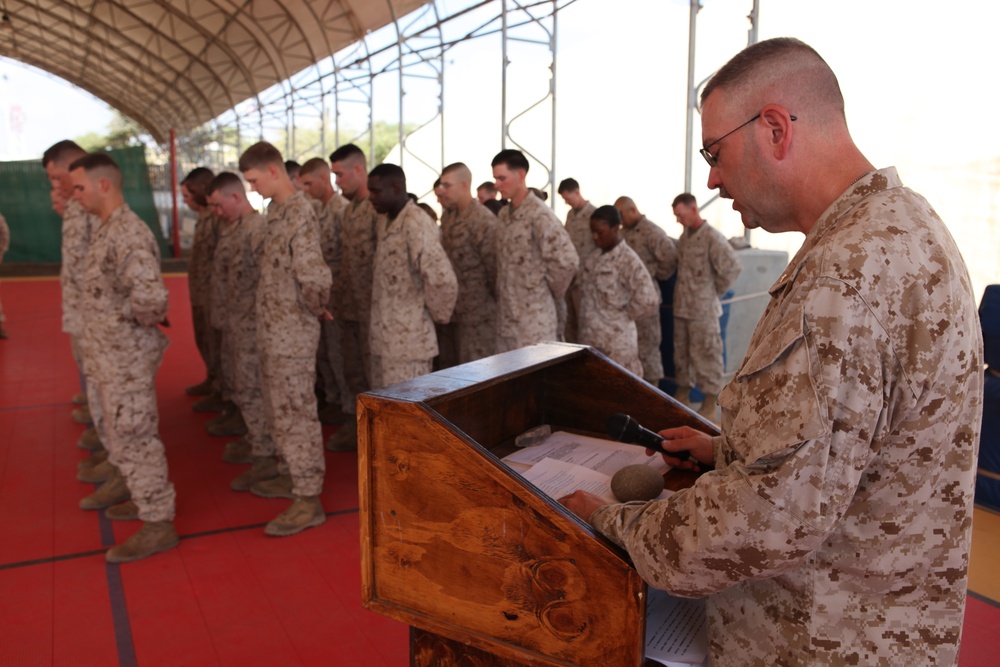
(779, 126)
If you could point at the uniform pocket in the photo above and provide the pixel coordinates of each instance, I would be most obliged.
(773, 398)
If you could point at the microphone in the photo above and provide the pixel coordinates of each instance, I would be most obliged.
(623, 428)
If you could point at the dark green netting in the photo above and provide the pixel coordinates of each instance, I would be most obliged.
(35, 229)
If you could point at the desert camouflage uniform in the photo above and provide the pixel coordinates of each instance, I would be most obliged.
(124, 299)
(615, 291)
(836, 527)
(578, 228)
(707, 266)
(4, 247)
(206, 237)
(469, 238)
(354, 295)
(292, 293)
(220, 291)
(245, 238)
(659, 253)
(330, 355)
(77, 226)
(414, 286)
(536, 262)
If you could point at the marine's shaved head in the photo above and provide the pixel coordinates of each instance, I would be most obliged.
(782, 71)
(460, 171)
(316, 165)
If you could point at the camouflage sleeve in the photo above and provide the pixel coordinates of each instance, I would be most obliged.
(218, 288)
(559, 256)
(788, 466)
(726, 264)
(665, 256)
(329, 239)
(139, 269)
(486, 241)
(432, 263)
(645, 295)
(335, 252)
(310, 270)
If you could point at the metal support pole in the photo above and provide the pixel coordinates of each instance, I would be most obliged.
(402, 92)
(175, 221)
(322, 123)
(503, 78)
(552, 165)
(752, 39)
(441, 109)
(289, 131)
(692, 94)
(371, 126)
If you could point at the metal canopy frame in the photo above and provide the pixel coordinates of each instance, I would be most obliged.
(173, 65)
(694, 90)
(412, 49)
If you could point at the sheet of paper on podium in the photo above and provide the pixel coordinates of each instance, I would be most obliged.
(565, 462)
(676, 630)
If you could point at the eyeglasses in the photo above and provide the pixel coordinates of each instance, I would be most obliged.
(712, 160)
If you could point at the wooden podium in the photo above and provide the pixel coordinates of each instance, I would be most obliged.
(484, 567)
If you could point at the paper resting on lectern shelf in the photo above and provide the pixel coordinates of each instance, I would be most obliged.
(565, 462)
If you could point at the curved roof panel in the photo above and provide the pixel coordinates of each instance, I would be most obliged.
(175, 64)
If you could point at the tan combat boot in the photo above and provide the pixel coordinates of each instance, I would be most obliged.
(303, 513)
(81, 415)
(152, 538)
(707, 409)
(683, 395)
(211, 403)
(101, 472)
(346, 437)
(203, 388)
(126, 511)
(228, 423)
(110, 493)
(89, 440)
(99, 456)
(263, 468)
(238, 451)
(277, 487)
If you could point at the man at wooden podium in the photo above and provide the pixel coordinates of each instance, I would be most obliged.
(835, 527)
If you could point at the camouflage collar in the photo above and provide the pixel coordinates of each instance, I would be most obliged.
(119, 213)
(871, 183)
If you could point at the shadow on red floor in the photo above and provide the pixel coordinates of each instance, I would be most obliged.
(227, 595)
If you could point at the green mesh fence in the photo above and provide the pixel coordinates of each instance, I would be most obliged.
(35, 229)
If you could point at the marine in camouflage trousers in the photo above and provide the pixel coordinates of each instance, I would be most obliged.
(289, 396)
(127, 421)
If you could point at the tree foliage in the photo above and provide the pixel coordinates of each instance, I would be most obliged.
(308, 141)
(216, 146)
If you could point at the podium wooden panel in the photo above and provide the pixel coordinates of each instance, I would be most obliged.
(485, 567)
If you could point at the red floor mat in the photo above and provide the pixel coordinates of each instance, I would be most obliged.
(227, 595)
(979, 633)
